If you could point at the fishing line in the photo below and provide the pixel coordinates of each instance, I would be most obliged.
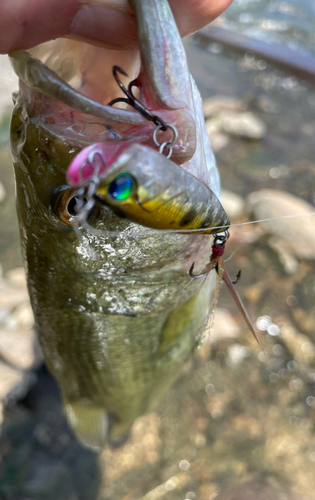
(102, 233)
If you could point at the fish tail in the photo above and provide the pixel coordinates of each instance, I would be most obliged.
(91, 424)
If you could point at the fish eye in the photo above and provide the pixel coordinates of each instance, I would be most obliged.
(122, 187)
(64, 204)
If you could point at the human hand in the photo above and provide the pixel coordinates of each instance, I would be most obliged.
(107, 23)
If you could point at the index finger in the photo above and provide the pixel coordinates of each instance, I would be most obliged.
(109, 23)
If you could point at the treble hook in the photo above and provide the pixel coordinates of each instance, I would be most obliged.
(133, 101)
(238, 277)
(215, 258)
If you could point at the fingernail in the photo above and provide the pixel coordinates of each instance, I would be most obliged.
(122, 5)
(106, 26)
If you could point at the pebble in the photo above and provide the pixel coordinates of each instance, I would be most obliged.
(298, 233)
(16, 277)
(245, 125)
(233, 204)
(218, 141)
(2, 192)
(224, 327)
(11, 296)
(20, 354)
(289, 262)
(214, 105)
(22, 316)
(18, 349)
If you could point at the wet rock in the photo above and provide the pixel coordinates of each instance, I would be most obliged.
(16, 277)
(18, 348)
(233, 204)
(20, 354)
(245, 125)
(288, 261)
(298, 233)
(224, 327)
(218, 141)
(212, 127)
(22, 316)
(214, 105)
(2, 192)
(11, 296)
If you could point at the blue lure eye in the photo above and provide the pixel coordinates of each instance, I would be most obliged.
(121, 187)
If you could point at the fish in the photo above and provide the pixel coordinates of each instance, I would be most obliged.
(114, 330)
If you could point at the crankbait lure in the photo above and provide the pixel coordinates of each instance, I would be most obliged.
(145, 187)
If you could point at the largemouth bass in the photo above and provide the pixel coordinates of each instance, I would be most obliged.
(113, 327)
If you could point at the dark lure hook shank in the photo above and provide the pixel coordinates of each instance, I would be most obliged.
(133, 101)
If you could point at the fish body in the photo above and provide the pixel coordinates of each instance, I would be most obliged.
(112, 325)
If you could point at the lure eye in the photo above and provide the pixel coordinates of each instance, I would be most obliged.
(122, 187)
(63, 203)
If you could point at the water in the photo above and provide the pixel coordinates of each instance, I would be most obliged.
(239, 423)
(289, 22)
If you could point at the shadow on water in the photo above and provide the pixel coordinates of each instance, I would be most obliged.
(40, 458)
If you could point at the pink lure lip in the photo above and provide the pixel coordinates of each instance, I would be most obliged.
(93, 160)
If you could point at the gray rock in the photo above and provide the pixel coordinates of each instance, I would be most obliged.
(298, 233)
(16, 277)
(245, 125)
(288, 261)
(2, 192)
(218, 141)
(18, 348)
(224, 327)
(214, 105)
(11, 296)
(233, 204)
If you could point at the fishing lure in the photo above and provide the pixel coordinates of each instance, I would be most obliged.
(145, 187)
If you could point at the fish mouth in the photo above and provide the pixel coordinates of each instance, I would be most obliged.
(68, 85)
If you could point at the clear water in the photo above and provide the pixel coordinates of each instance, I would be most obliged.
(289, 22)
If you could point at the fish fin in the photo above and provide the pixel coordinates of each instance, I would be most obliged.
(91, 424)
(240, 305)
